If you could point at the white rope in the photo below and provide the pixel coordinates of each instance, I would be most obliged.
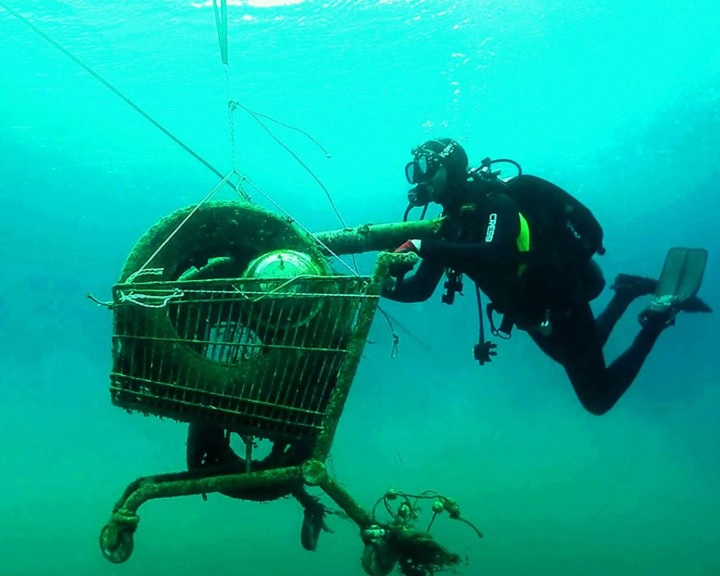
(231, 120)
(207, 197)
(266, 293)
(147, 271)
(308, 232)
(147, 300)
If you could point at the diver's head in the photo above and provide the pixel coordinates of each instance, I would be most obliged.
(437, 168)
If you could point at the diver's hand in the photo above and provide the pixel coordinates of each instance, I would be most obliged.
(401, 266)
(389, 286)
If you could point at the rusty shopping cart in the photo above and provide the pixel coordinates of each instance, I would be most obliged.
(228, 317)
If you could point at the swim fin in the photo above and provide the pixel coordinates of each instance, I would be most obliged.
(679, 283)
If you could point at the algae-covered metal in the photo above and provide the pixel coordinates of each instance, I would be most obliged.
(200, 336)
(378, 237)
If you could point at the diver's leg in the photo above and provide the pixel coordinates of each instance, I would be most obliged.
(551, 345)
(680, 280)
(627, 288)
(577, 342)
(683, 272)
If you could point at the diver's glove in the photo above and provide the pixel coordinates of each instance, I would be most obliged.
(389, 286)
(400, 269)
(410, 246)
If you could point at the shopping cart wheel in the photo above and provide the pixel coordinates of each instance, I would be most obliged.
(377, 558)
(117, 542)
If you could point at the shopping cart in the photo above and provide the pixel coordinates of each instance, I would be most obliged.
(228, 316)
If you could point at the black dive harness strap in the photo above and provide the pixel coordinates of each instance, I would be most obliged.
(484, 349)
(504, 331)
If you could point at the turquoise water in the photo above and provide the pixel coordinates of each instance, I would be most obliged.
(617, 103)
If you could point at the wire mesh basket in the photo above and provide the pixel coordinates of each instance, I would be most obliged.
(264, 362)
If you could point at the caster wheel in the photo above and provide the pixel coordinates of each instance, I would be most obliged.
(117, 542)
(377, 558)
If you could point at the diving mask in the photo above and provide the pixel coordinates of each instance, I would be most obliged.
(426, 163)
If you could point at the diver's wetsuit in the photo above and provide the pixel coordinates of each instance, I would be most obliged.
(489, 256)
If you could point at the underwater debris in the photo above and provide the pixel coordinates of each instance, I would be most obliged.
(239, 331)
(415, 552)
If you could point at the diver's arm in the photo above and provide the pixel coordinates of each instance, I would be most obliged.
(460, 254)
(418, 287)
(492, 238)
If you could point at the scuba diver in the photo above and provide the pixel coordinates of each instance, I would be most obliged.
(528, 246)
